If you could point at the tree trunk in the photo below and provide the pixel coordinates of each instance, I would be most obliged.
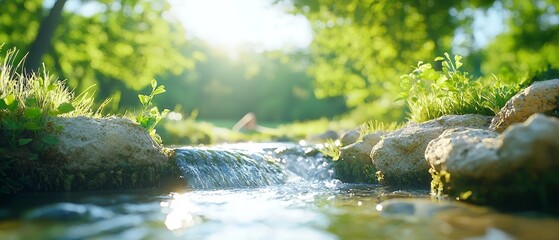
(44, 36)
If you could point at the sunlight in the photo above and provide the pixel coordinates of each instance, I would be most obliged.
(243, 23)
(180, 216)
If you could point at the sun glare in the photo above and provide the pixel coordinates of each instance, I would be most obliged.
(231, 24)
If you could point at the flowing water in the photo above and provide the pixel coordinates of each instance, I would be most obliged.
(262, 191)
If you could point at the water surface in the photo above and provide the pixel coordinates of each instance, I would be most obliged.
(309, 203)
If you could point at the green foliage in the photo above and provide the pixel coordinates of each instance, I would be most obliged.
(272, 85)
(432, 93)
(372, 126)
(332, 149)
(118, 46)
(186, 131)
(27, 104)
(360, 47)
(150, 115)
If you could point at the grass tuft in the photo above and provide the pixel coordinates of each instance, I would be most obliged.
(432, 93)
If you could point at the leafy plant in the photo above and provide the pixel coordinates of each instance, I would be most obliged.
(150, 115)
(431, 93)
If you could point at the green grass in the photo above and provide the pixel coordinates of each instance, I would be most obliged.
(432, 93)
(28, 102)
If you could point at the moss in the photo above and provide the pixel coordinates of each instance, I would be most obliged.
(354, 171)
(47, 176)
(519, 191)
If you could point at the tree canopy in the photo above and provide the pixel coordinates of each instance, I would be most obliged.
(115, 44)
(362, 47)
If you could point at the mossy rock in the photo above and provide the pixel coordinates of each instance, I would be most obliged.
(34, 176)
(519, 191)
(354, 171)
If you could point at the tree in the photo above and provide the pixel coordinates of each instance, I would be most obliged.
(44, 35)
(362, 47)
(115, 45)
(530, 43)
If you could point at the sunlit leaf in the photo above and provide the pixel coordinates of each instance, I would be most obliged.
(159, 90)
(65, 108)
(153, 83)
(439, 59)
(9, 99)
(144, 99)
(154, 111)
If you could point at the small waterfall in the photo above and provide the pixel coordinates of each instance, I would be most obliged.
(212, 168)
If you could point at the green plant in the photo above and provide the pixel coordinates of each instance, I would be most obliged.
(431, 93)
(150, 115)
(375, 126)
(331, 149)
(28, 103)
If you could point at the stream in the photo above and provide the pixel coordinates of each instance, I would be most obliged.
(262, 191)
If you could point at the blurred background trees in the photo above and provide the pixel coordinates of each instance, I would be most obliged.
(352, 68)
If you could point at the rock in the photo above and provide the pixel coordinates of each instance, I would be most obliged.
(417, 209)
(361, 150)
(104, 153)
(87, 143)
(400, 155)
(463, 150)
(509, 170)
(540, 97)
(355, 163)
(455, 220)
(350, 137)
(332, 135)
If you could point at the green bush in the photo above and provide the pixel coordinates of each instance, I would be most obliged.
(432, 93)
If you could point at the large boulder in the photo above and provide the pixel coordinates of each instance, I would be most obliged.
(104, 153)
(400, 155)
(519, 166)
(87, 143)
(540, 97)
(355, 163)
